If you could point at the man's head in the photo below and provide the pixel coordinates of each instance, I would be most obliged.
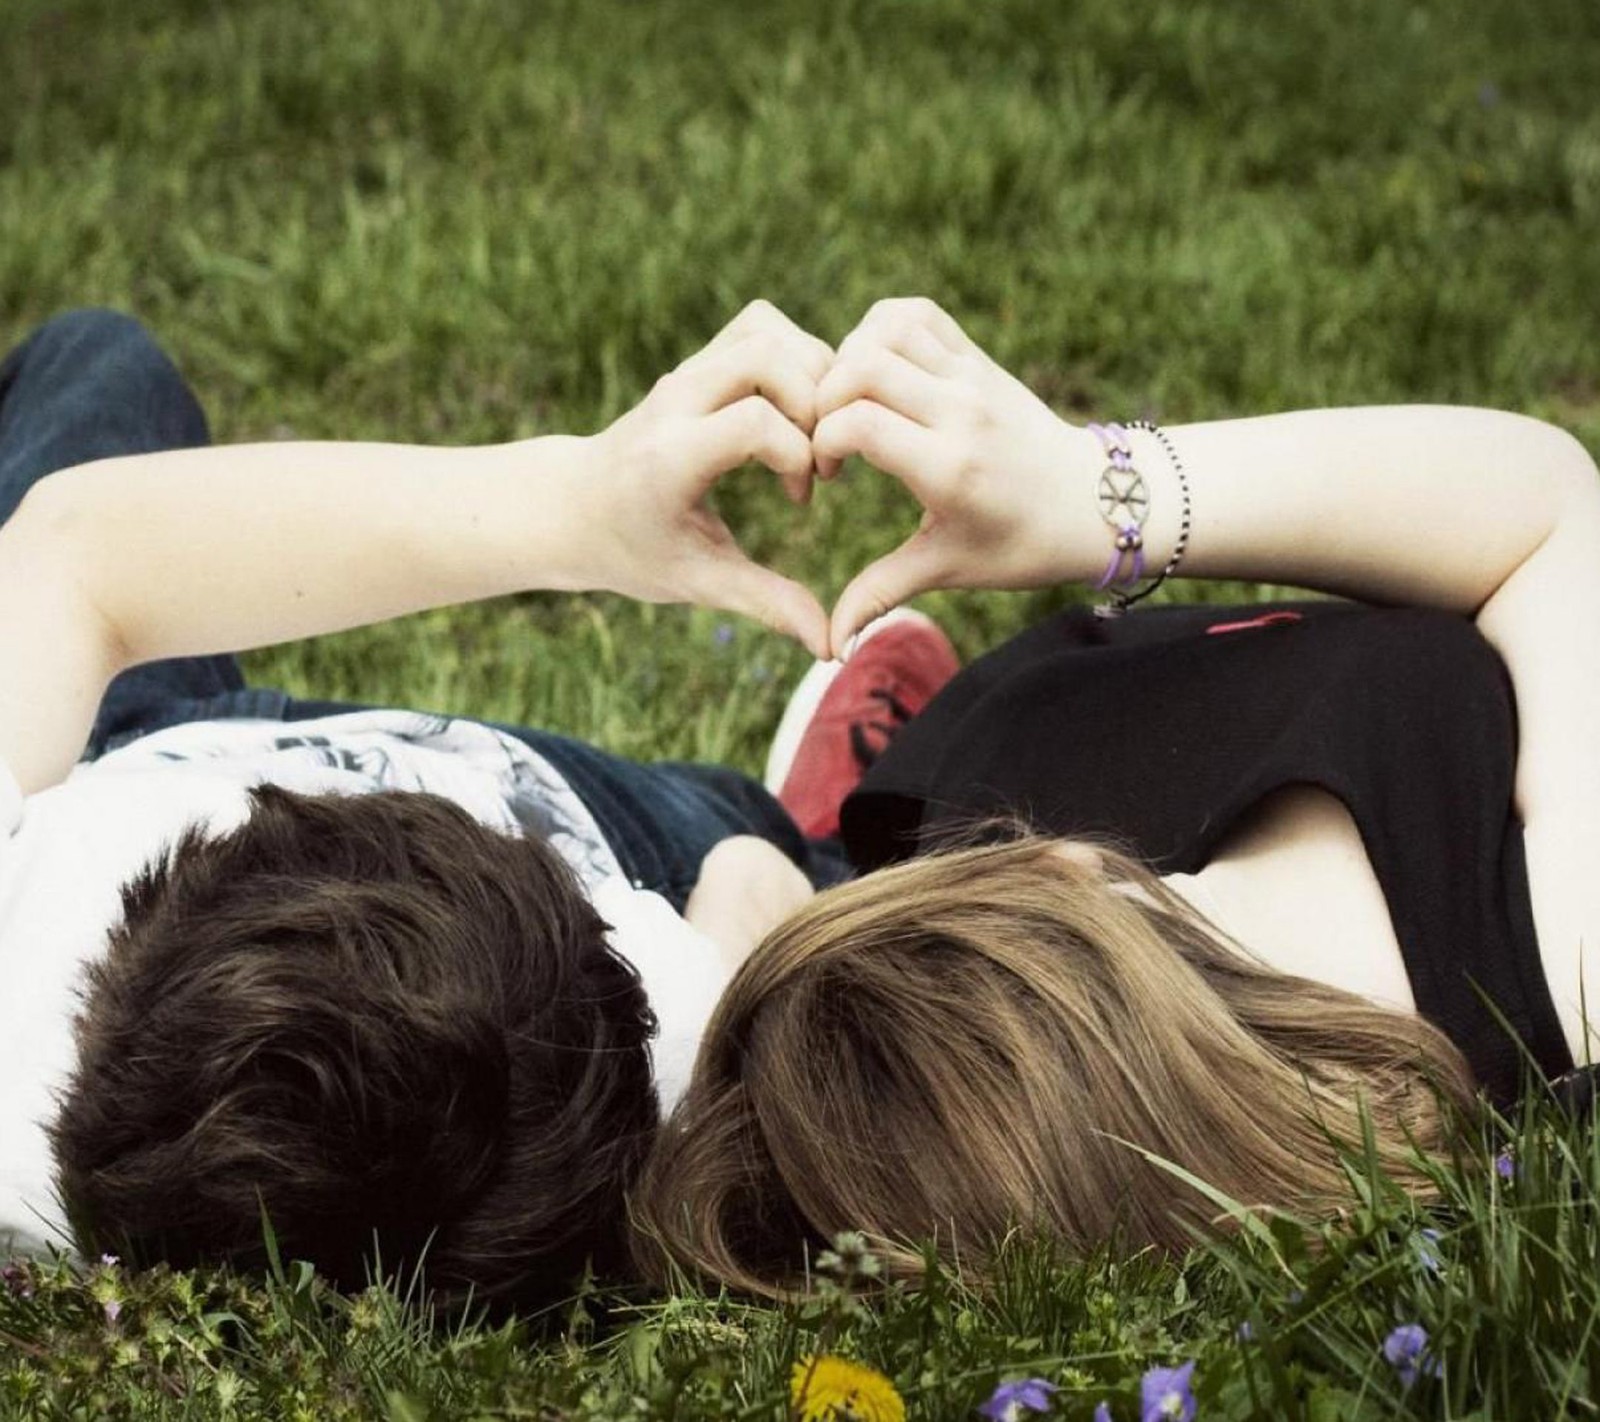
(370, 1018)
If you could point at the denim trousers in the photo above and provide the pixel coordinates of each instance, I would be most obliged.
(93, 384)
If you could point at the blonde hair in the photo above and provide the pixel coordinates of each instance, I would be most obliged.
(968, 1044)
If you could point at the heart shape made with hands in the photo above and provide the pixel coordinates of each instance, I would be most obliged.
(911, 393)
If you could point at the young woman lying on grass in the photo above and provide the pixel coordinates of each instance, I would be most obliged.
(424, 1017)
(1287, 862)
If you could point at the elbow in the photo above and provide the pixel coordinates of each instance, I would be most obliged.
(1567, 462)
(56, 533)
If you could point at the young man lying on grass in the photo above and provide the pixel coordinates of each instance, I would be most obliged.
(385, 978)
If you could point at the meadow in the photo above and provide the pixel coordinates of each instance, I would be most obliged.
(401, 220)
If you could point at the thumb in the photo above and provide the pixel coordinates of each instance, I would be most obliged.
(781, 604)
(916, 566)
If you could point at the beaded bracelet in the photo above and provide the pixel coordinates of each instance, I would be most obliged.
(1124, 502)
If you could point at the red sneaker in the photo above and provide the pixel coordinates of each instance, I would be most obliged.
(843, 714)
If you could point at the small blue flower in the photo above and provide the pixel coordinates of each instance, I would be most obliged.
(1406, 1350)
(1505, 1164)
(1428, 1251)
(1165, 1394)
(1012, 1399)
(113, 1310)
(1102, 1412)
(723, 634)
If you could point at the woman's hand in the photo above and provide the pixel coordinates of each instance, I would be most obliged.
(1003, 480)
(749, 394)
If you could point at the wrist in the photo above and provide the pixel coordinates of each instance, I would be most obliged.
(548, 485)
(1085, 541)
(1141, 497)
(1165, 517)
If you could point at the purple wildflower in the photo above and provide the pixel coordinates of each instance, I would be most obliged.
(1505, 1164)
(109, 1261)
(1102, 1412)
(723, 634)
(113, 1308)
(1012, 1399)
(15, 1278)
(1406, 1349)
(1165, 1394)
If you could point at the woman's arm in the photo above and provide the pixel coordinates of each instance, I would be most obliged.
(1422, 504)
(1489, 514)
(1428, 505)
(194, 551)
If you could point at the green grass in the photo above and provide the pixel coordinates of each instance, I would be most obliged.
(470, 222)
(1283, 1321)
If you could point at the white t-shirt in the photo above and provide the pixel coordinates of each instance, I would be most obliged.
(66, 851)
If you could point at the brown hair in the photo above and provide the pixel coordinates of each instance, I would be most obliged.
(966, 1044)
(379, 1022)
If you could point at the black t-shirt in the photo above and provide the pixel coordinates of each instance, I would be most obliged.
(1163, 728)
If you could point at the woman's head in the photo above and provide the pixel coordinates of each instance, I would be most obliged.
(976, 1042)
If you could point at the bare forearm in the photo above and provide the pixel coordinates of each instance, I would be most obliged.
(220, 549)
(1429, 505)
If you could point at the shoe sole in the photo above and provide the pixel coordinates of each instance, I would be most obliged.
(808, 694)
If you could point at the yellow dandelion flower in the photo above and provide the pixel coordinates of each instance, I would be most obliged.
(829, 1389)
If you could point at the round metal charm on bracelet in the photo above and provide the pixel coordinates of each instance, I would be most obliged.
(1123, 497)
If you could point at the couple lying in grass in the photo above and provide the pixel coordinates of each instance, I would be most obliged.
(1199, 884)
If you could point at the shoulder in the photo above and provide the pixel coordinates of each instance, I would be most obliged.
(683, 972)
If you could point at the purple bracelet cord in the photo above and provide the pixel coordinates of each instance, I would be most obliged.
(1115, 440)
(1110, 574)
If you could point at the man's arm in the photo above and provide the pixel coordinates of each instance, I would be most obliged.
(195, 551)
(747, 887)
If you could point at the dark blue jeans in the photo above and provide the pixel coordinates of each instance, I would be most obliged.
(92, 384)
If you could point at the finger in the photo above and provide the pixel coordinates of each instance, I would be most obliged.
(732, 581)
(755, 365)
(885, 438)
(751, 428)
(887, 378)
(916, 566)
(762, 317)
(899, 313)
(916, 343)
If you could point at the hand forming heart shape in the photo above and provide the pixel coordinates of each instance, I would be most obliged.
(909, 391)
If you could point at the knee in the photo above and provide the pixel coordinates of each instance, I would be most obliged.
(114, 357)
(93, 330)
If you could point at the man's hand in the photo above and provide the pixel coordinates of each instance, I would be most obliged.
(749, 394)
